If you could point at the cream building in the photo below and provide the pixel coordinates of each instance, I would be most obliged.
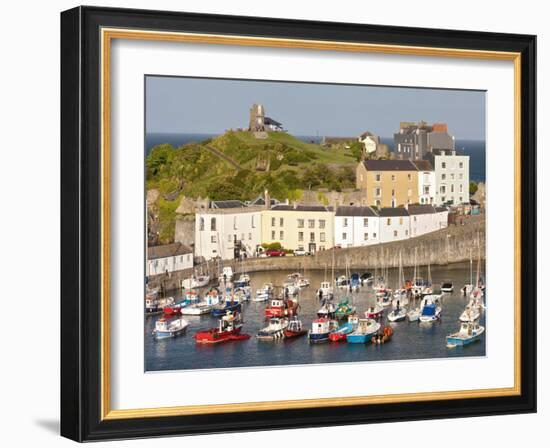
(299, 227)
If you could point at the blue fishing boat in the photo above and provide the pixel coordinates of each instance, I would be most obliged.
(340, 334)
(229, 305)
(469, 332)
(355, 282)
(366, 328)
(431, 309)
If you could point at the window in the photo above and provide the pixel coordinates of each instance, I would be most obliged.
(311, 223)
(442, 198)
(365, 236)
(377, 177)
(249, 236)
(377, 203)
(281, 235)
(281, 222)
(322, 237)
(442, 189)
(460, 198)
(409, 176)
(414, 219)
(234, 223)
(272, 222)
(395, 233)
(393, 177)
(461, 165)
(344, 236)
(322, 223)
(300, 223)
(406, 232)
(253, 223)
(321, 247)
(388, 221)
(201, 224)
(213, 239)
(374, 235)
(273, 234)
(443, 176)
(181, 258)
(378, 192)
(452, 188)
(460, 188)
(365, 222)
(300, 236)
(452, 176)
(443, 165)
(345, 222)
(393, 193)
(242, 236)
(213, 224)
(312, 237)
(460, 176)
(400, 221)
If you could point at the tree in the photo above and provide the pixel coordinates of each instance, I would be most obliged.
(473, 188)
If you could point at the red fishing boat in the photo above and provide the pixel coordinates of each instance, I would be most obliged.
(294, 328)
(374, 312)
(228, 329)
(171, 310)
(282, 308)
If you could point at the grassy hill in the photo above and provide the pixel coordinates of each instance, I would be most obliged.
(245, 168)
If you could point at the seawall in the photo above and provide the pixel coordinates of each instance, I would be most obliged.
(450, 245)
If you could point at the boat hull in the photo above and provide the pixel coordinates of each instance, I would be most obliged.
(220, 312)
(317, 338)
(460, 342)
(216, 337)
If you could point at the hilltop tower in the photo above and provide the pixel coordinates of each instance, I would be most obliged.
(257, 118)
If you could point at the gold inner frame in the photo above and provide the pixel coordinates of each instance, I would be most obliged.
(107, 35)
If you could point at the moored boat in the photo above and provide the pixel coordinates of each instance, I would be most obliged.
(374, 312)
(381, 337)
(340, 334)
(294, 328)
(471, 313)
(169, 328)
(344, 309)
(320, 329)
(328, 309)
(228, 329)
(430, 310)
(196, 309)
(222, 308)
(414, 314)
(397, 314)
(384, 299)
(274, 330)
(155, 304)
(198, 281)
(447, 287)
(280, 307)
(264, 293)
(325, 290)
(469, 332)
(363, 332)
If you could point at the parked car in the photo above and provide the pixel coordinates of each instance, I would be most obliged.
(275, 253)
(301, 252)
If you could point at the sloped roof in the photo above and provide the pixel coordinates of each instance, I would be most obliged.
(350, 210)
(389, 165)
(302, 208)
(168, 250)
(421, 209)
(441, 209)
(423, 165)
(227, 204)
(393, 211)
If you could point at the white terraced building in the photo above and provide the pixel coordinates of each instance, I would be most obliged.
(452, 178)
(168, 258)
(394, 224)
(426, 218)
(356, 226)
(227, 229)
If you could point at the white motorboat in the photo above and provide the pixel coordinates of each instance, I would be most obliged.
(226, 276)
(431, 309)
(397, 314)
(414, 314)
(469, 332)
(274, 330)
(447, 287)
(325, 290)
(471, 313)
(198, 281)
(196, 309)
(168, 329)
(264, 293)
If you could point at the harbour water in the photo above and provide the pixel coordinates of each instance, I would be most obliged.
(411, 340)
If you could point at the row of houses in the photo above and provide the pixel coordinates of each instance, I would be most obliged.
(442, 179)
(229, 229)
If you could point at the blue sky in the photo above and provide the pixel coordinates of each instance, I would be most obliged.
(200, 105)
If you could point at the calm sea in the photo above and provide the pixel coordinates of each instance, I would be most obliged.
(411, 340)
(473, 148)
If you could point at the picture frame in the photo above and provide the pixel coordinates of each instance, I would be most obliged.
(86, 211)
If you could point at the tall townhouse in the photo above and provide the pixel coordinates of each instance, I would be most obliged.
(452, 177)
(299, 227)
(388, 183)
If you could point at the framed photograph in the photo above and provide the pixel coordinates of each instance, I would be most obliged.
(277, 224)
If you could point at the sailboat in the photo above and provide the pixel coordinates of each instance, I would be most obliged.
(399, 313)
(468, 287)
(400, 293)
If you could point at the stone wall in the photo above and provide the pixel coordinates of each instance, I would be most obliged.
(185, 230)
(451, 245)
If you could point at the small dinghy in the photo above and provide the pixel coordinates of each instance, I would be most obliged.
(228, 329)
(366, 328)
(169, 329)
(342, 282)
(374, 312)
(381, 337)
(294, 328)
(320, 329)
(447, 287)
(367, 278)
(274, 330)
(325, 290)
(385, 299)
(397, 314)
(469, 332)
(340, 334)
